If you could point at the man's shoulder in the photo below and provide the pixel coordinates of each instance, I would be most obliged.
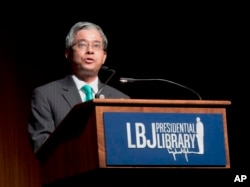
(54, 84)
(116, 93)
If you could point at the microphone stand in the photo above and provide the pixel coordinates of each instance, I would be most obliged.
(97, 95)
(125, 80)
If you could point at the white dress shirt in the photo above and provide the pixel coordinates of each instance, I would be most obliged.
(79, 84)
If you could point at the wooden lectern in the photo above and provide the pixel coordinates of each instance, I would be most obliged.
(79, 145)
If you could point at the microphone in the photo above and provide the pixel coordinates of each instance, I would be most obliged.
(105, 68)
(125, 80)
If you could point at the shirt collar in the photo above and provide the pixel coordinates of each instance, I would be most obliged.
(79, 83)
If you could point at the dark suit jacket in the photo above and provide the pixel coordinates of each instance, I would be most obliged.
(52, 102)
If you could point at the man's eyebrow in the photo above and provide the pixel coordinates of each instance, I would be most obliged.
(84, 40)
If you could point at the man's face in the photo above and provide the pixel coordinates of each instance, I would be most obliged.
(87, 54)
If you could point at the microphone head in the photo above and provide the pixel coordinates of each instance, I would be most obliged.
(122, 80)
(125, 80)
(105, 68)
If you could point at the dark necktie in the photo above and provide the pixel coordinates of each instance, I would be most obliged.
(88, 92)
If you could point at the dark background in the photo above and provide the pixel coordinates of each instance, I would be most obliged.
(201, 46)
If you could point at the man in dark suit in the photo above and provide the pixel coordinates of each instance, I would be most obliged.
(86, 51)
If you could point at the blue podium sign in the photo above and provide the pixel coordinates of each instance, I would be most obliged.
(164, 139)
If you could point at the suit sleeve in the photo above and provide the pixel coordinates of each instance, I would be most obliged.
(41, 123)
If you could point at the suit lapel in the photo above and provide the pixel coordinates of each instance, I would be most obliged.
(70, 92)
(102, 86)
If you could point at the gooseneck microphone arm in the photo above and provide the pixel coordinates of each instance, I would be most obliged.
(125, 80)
(105, 68)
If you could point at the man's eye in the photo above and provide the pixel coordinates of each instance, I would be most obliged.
(82, 44)
(97, 46)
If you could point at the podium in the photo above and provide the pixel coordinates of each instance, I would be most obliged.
(133, 134)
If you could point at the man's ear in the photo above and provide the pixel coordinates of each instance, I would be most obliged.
(66, 53)
(104, 58)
